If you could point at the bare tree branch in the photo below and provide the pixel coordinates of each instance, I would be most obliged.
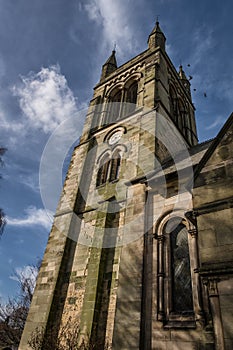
(13, 314)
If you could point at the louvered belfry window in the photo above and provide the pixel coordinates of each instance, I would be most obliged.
(103, 171)
(109, 169)
(115, 167)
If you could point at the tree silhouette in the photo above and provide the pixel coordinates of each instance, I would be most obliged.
(13, 314)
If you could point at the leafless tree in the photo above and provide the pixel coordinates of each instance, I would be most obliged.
(13, 314)
(12, 319)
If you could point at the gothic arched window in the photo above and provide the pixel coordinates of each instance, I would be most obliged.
(181, 115)
(180, 270)
(132, 93)
(115, 166)
(114, 106)
(175, 284)
(131, 97)
(102, 174)
(109, 168)
(173, 104)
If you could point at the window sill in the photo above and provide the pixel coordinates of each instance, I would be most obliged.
(180, 321)
(113, 181)
(107, 183)
(180, 324)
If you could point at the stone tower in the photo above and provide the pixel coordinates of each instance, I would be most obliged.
(122, 255)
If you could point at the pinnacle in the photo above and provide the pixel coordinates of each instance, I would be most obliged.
(157, 28)
(182, 73)
(112, 59)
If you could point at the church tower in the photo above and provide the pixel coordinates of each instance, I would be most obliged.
(121, 258)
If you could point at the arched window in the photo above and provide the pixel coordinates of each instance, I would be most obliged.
(180, 271)
(131, 98)
(109, 168)
(181, 115)
(173, 104)
(115, 166)
(175, 284)
(114, 106)
(116, 97)
(102, 174)
(132, 93)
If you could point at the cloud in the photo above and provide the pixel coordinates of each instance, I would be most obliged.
(31, 181)
(203, 41)
(33, 217)
(25, 273)
(218, 121)
(9, 125)
(111, 16)
(45, 98)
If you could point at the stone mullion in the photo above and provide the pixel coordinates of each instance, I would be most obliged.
(104, 113)
(113, 168)
(122, 107)
(105, 173)
(197, 293)
(161, 275)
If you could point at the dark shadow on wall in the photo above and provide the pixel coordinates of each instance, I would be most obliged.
(62, 284)
(105, 277)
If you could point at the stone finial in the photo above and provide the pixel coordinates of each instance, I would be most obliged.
(184, 79)
(182, 73)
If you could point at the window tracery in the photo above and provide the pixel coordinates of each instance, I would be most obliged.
(109, 168)
(115, 166)
(176, 295)
(131, 97)
(180, 270)
(115, 104)
(122, 100)
(180, 113)
(103, 171)
(173, 104)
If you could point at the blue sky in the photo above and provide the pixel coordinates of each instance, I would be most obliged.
(51, 53)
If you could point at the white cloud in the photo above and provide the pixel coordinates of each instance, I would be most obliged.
(9, 125)
(31, 181)
(26, 273)
(218, 121)
(45, 98)
(111, 15)
(203, 41)
(33, 217)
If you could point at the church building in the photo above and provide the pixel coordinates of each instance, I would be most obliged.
(140, 254)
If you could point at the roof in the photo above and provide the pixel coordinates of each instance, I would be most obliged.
(213, 146)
